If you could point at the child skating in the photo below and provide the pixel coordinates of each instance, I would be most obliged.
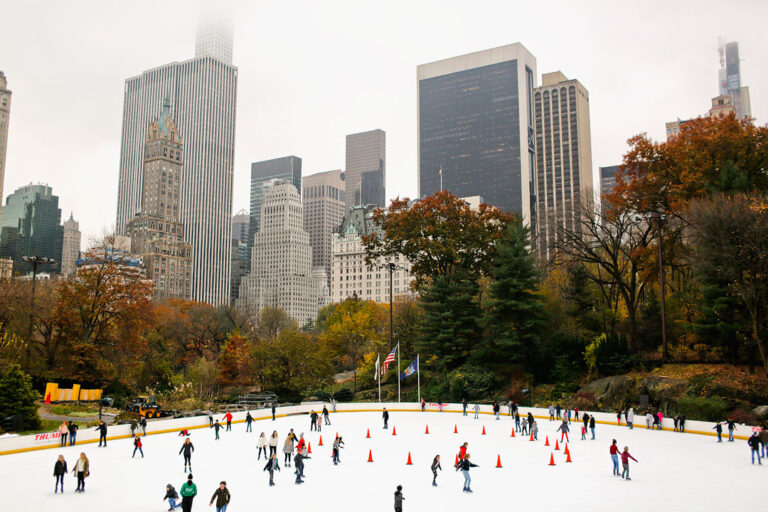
(272, 466)
(435, 466)
(625, 456)
(137, 446)
(399, 499)
(171, 495)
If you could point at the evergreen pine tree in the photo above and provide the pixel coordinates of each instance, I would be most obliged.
(18, 397)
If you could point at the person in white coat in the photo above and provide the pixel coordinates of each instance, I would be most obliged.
(631, 418)
(262, 446)
(648, 420)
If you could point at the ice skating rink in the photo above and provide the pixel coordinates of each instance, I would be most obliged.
(680, 472)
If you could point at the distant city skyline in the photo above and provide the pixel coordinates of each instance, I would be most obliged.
(283, 108)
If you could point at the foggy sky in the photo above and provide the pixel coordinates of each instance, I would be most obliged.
(311, 72)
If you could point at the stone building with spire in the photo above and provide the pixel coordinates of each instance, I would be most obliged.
(157, 234)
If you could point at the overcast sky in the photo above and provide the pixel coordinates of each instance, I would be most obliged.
(313, 71)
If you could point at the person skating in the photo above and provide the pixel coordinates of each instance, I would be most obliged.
(676, 421)
(462, 453)
(764, 441)
(535, 430)
(682, 423)
(592, 426)
(551, 412)
(102, 429)
(333, 404)
(82, 469)
(719, 429)
(631, 418)
(464, 465)
(648, 420)
(583, 433)
(530, 420)
(248, 421)
(326, 416)
(585, 420)
(216, 427)
(564, 428)
(399, 499)
(63, 432)
(59, 470)
(618, 418)
(210, 420)
(143, 424)
(517, 422)
(273, 443)
(558, 409)
(134, 426)
(272, 466)
(312, 421)
(298, 461)
(183, 433)
(188, 492)
(463, 406)
(754, 443)
(435, 466)
(424, 405)
(262, 446)
(524, 426)
(496, 409)
(385, 417)
(625, 456)
(137, 446)
(221, 496)
(731, 428)
(187, 448)
(228, 417)
(338, 444)
(302, 444)
(273, 411)
(171, 495)
(288, 448)
(72, 427)
(661, 420)
(614, 451)
(477, 410)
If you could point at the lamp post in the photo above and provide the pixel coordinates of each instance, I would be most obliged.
(35, 261)
(392, 267)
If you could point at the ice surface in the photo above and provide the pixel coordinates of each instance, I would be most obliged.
(681, 472)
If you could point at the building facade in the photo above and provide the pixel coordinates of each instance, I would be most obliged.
(240, 228)
(157, 234)
(265, 174)
(366, 169)
(729, 79)
(281, 274)
(476, 127)
(70, 251)
(30, 225)
(351, 276)
(203, 94)
(563, 157)
(323, 198)
(5, 117)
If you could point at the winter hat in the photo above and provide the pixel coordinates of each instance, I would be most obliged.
(189, 477)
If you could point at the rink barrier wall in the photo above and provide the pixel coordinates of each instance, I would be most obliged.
(49, 440)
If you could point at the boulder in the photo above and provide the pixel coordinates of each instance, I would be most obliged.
(761, 412)
(660, 389)
(612, 392)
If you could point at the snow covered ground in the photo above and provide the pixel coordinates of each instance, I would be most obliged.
(678, 472)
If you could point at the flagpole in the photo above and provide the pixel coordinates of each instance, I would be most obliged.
(398, 373)
(441, 179)
(418, 376)
(378, 376)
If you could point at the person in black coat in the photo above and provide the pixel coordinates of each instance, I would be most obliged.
(272, 466)
(313, 421)
(682, 423)
(298, 460)
(72, 427)
(325, 415)
(385, 416)
(102, 428)
(187, 448)
(754, 443)
(530, 418)
(248, 421)
(399, 499)
(464, 465)
(435, 466)
(143, 424)
(592, 426)
(273, 411)
(59, 470)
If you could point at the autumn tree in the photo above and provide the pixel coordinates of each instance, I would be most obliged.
(235, 362)
(438, 235)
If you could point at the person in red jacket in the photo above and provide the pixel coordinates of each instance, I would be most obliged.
(228, 417)
(614, 450)
(137, 446)
(625, 456)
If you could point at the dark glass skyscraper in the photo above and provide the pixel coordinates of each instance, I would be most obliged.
(476, 129)
(264, 175)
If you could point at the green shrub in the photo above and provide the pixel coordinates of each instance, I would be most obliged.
(699, 384)
(343, 395)
(470, 382)
(607, 354)
(702, 408)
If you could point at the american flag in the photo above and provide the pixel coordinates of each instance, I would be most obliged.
(389, 360)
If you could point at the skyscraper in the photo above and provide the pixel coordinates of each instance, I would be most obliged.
(71, 247)
(203, 95)
(30, 225)
(323, 198)
(241, 222)
(476, 127)
(366, 169)
(729, 78)
(563, 157)
(608, 179)
(265, 174)
(5, 114)
(157, 236)
(214, 39)
(281, 273)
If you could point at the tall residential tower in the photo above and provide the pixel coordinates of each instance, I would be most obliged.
(323, 198)
(366, 170)
(71, 247)
(5, 114)
(729, 79)
(264, 174)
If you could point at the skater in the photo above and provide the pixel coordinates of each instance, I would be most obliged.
(754, 443)
(137, 446)
(385, 416)
(517, 422)
(462, 453)
(228, 417)
(298, 461)
(558, 409)
(648, 420)
(764, 441)
(222, 497)
(682, 423)
(217, 427)
(496, 409)
(676, 421)
(511, 406)
(424, 406)
(262, 446)
(134, 426)
(464, 466)
(188, 493)
(59, 470)
(248, 421)
(333, 404)
(618, 418)
(312, 421)
(272, 466)
(524, 426)
(583, 433)
(660, 417)
(719, 429)
(72, 432)
(63, 431)
(530, 420)
(731, 428)
(435, 466)
(302, 444)
(625, 456)
(399, 499)
(614, 450)
(82, 470)
(337, 445)
(143, 424)
(210, 419)
(187, 448)
(183, 433)
(564, 428)
(631, 418)
(477, 410)
(585, 420)
(326, 417)
(273, 444)
(288, 449)
(463, 406)
(535, 431)
(171, 495)
(102, 428)
(592, 426)
(273, 411)
(551, 412)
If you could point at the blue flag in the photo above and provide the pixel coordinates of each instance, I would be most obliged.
(412, 368)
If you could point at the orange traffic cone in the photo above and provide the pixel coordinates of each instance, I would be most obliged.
(409, 463)
(551, 459)
(370, 456)
(427, 431)
(498, 461)
(546, 441)
(368, 434)
(513, 433)
(568, 457)
(455, 430)
(394, 431)
(321, 441)
(483, 429)
(309, 447)
(531, 436)
(557, 446)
